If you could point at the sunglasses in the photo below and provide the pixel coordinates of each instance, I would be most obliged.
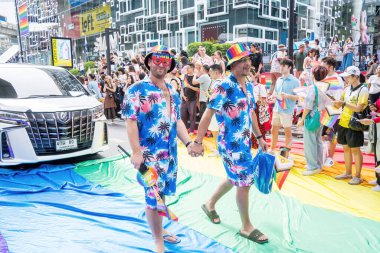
(165, 59)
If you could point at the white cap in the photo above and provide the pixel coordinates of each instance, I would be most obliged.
(352, 70)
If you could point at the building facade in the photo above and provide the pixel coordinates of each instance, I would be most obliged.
(142, 24)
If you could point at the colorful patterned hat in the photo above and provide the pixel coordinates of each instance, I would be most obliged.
(159, 49)
(236, 52)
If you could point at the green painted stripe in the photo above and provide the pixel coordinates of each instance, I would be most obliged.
(291, 225)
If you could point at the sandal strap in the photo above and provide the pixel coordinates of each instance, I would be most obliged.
(255, 234)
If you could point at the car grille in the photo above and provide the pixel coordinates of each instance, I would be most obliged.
(45, 128)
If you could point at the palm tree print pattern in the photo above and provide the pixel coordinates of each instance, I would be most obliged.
(233, 113)
(157, 133)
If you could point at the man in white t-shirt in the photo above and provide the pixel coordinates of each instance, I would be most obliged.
(202, 57)
(374, 86)
(204, 82)
(275, 66)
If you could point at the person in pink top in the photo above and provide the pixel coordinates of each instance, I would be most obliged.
(374, 131)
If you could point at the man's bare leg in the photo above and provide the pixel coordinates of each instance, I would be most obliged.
(274, 139)
(224, 187)
(155, 224)
(242, 197)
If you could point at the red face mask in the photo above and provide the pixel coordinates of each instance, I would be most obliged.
(165, 59)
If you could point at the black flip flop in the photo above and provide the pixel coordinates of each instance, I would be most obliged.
(254, 236)
(212, 215)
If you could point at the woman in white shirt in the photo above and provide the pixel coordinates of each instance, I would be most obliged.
(374, 86)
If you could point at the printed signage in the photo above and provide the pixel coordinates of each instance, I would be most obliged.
(95, 21)
(61, 52)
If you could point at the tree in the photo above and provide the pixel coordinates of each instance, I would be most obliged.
(210, 46)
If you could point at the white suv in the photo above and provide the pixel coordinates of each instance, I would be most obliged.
(46, 114)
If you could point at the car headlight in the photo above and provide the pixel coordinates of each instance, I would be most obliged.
(98, 112)
(14, 117)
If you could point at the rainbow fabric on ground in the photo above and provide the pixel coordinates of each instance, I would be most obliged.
(99, 207)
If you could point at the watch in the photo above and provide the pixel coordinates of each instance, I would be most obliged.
(197, 142)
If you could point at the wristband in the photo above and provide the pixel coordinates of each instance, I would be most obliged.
(188, 143)
(197, 142)
(259, 137)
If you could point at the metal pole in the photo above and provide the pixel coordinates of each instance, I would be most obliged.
(21, 58)
(108, 51)
(291, 28)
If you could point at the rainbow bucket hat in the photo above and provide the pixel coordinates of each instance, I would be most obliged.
(236, 52)
(159, 49)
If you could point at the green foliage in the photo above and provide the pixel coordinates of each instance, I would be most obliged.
(210, 46)
(89, 65)
(74, 72)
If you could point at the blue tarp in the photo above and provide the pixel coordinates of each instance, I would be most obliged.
(54, 209)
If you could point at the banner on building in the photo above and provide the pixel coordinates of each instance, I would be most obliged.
(61, 52)
(95, 21)
(215, 32)
(75, 3)
(23, 19)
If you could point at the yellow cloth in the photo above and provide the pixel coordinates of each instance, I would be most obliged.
(359, 96)
(320, 190)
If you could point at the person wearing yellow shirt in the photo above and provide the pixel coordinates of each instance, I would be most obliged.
(353, 99)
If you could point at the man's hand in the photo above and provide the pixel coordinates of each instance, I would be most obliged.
(137, 159)
(337, 103)
(195, 149)
(185, 98)
(263, 145)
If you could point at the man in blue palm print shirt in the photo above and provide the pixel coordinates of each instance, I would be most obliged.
(234, 104)
(151, 110)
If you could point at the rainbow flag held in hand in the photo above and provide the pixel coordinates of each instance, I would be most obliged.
(327, 120)
(283, 103)
(334, 83)
(185, 82)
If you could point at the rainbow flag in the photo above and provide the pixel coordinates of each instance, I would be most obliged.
(283, 103)
(333, 82)
(281, 177)
(23, 19)
(327, 120)
(185, 82)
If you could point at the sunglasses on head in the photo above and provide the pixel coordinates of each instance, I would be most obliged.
(165, 59)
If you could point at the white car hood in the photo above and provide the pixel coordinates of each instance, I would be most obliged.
(49, 104)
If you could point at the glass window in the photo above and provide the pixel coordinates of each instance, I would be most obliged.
(188, 20)
(173, 14)
(270, 35)
(136, 4)
(123, 7)
(154, 7)
(201, 12)
(275, 11)
(187, 4)
(215, 6)
(51, 82)
(265, 7)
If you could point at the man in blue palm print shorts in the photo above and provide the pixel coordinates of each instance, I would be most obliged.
(234, 105)
(151, 110)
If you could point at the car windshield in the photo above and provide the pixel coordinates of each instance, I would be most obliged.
(38, 82)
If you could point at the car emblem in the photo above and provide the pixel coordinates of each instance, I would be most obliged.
(63, 117)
